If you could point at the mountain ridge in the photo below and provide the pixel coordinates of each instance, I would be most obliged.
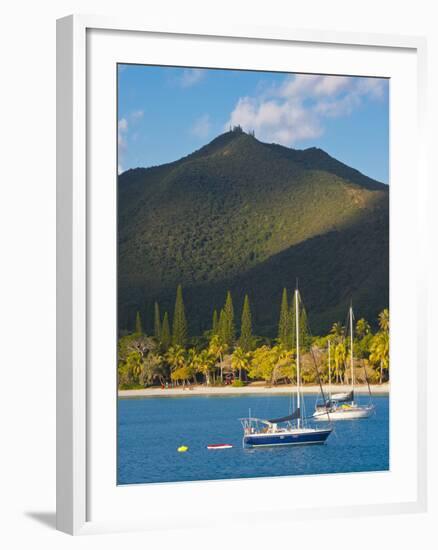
(213, 218)
(300, 155)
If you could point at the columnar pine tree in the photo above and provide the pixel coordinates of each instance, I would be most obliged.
(230, 331)
(304, 333)
(138, 324)
(284, 325)
(215, 323)
(165, 332)
(246, 339)
(157, 322)
(179, 332)
(303, 324)
(222, 327)
(292, 321)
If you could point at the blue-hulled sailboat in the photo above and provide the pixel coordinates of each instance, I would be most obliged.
(286, 430)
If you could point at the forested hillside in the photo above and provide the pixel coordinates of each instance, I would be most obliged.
(251, 217)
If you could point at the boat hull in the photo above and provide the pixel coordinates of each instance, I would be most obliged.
(307, 437)
(352, 413)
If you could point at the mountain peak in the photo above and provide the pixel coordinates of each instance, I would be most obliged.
(249, 216)
(233, 135)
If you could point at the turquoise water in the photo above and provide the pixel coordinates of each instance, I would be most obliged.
(151, 429)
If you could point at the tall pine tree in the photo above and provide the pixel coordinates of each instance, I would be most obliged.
(230, 331)
(179, 329)
(303, 332)
(222, 329)
(292, 320)
(215, 323)
(246, 339)
(284, 325)
(165, 332)
(157, 322)
(138, 324)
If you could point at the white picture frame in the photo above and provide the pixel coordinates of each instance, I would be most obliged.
(85, 501)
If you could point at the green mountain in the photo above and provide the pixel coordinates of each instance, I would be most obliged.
(252, 217)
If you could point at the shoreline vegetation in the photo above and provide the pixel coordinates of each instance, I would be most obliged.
(251, 389)
(229, 355)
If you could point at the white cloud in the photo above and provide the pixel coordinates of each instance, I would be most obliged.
(338, 107)
(124, 126)
(201, 127)
(374, 87)
(295, 110)
(125, 123)
(121, 140)
(122, 131)
(190, 77)
(277, 121)
(314, 85)
(136, 115)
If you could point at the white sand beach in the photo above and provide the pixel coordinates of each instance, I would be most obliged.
(376, 389)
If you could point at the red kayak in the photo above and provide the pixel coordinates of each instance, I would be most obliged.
(219, 446)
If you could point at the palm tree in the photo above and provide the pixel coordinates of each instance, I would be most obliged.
(380, 352)
(175, 356)
(217, 348)
(340, 355)
(205, 363)
(193, 361)
(362, 328)
(240, 360)
(337, 330)
(384, 320)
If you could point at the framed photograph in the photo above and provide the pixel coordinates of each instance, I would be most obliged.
(240, 275)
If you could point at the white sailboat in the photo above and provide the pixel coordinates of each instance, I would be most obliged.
(342, 406)
(287, 430)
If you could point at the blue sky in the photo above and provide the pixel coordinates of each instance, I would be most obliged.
(165, 113)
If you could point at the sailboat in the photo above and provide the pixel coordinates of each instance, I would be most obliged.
(342, 406)
(286, 430)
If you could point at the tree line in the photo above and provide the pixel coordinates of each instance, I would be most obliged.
(225, 355)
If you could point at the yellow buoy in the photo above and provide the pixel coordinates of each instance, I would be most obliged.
(182, 449)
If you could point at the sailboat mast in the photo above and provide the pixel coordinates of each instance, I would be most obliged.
(351, 349)
(329, 371)
(297, 327)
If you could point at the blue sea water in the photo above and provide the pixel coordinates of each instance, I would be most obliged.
(151, 429)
